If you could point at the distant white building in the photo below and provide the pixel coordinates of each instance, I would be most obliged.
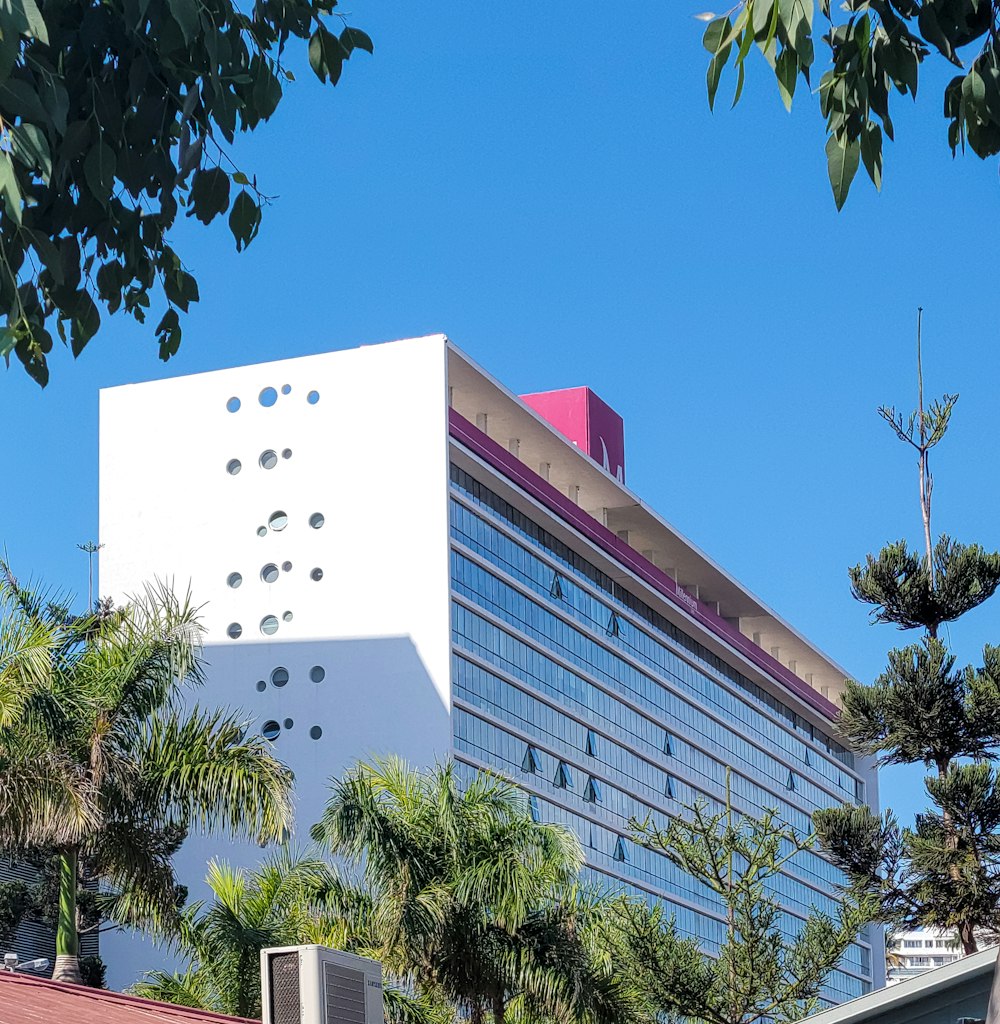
(911, 953)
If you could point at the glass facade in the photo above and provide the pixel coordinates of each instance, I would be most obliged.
(604, 711)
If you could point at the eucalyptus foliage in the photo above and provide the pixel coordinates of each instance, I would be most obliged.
(872, 50)
(116, 118)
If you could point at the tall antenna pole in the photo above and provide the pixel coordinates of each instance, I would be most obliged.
(90, 549)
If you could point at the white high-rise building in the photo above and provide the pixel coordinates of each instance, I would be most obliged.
(398, 555)
(912, 952)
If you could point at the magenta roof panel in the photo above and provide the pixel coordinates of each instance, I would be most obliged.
(588, 421)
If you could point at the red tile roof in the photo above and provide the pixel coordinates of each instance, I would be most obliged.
(27, 1000)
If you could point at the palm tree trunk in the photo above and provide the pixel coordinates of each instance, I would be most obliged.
(67, 966)
(499, 1008)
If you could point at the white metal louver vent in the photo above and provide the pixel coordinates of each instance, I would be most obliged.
(314, 985)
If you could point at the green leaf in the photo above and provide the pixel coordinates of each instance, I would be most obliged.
(326, 55)
(168, 333)
(244, 220)
(354, 38)
(239, 178)
(85, 322)
(786, 69)
(31, 148)
(19, 99)
(99, 171)
(842, 165)
(741, 75)
(871, 152)
(715, 33)
(209, 194)
(187, 16)
(9, 188)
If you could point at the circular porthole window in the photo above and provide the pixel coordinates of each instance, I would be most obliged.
(234, 631)
(278, 521)
(286, 453)
(286, 389)
(234, 579)
(268, 397)
(233, 405)
(313, 397)
(279, 677)
(289, 723)
(269, 625)
(271, 730)
(261, 531)
(269, 574)
(315, 732)
(261, 686)
(316, 520)
(268, 459)
(286, 566)
(233, 466)
(316, 574)
(287, 616)
(317, 673)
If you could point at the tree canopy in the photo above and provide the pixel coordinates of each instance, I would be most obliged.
(876, 48)
(115, 118)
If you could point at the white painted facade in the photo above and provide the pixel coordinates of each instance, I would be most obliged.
(371, 456)
(912, 952)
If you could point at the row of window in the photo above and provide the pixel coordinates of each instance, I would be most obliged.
(571, 598)
(611, 856)
(613, 761)
(495, 506)
(537, 622)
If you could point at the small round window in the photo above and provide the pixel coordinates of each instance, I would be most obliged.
(316, 574)
(269, 574)
(271, 730)
(234, 631)
(286, 566)
(286, 389)
(313, 397)
(317, 673)
(315, 732)
(279, 676)
(287, 616)
(268, 459)
(261, 531)
(268, 397)
(289, 723)
(261, 686)
(233, 466)
(233, 405)
(286, 453)
(269, 625)
(316, 520)
(234, 579)
(278, 521)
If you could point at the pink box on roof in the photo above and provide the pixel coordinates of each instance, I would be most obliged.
(588, 421)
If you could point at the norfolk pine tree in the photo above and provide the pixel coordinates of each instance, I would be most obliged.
(944, 872)
(760, 974)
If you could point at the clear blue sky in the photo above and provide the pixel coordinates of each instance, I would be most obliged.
(547, 186)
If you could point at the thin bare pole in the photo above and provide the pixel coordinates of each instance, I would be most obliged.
(90, 549)
(926, 483)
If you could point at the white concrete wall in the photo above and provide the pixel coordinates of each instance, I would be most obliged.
(371, 456)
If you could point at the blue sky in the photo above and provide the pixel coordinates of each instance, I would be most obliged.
(548, 187)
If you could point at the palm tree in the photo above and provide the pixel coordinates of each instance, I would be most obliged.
(100, 758)
(471, 898)
(286, 901)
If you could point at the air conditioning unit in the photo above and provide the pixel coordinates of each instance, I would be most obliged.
(314, 985)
